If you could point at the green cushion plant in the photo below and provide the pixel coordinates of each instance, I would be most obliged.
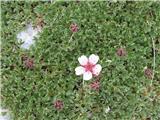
(122, 34)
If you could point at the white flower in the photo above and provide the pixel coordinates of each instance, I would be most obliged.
(27, 36)
(89, 67)
(107, 109)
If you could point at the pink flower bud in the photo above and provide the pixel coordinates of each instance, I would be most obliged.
(74, 27)
(148, 73)
(121, 52)
(29, 63)
(58, 104)
(95, 85)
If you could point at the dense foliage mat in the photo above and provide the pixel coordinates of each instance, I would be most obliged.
(126, 87)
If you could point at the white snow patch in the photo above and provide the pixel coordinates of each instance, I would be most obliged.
(27, 36)
(6, 116)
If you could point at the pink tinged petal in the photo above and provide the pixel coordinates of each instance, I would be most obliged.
(83, 60)
(97, 69)
(87, 75)
(93, 59)
(79, 70)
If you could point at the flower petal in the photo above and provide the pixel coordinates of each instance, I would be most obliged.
(93, 59)
(83, 60)
(79, 70)
(97, 69)
(87, 75)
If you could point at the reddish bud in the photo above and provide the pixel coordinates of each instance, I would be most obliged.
(58, 104)
(29, 63)
(74, 27)
(95, 85)
(148, 73)
(121, 52)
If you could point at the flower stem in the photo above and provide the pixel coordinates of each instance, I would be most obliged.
(83, 83)
(154, 60)
(71, 37)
